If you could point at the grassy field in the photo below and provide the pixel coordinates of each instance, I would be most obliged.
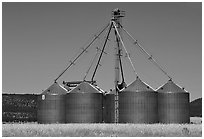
(196, 120)
(102, 130)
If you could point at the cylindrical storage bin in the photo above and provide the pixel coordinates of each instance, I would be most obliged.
(109, 107)
(51, 105)
(173, 104)
(84, 104)
(138, 104)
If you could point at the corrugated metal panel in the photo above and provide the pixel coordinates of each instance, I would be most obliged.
(173, 108)
(138, 104)
(138, 107)
(109, 106)
(170, 87)
(173, 104)
(104, 111)
(137, 86)
(84, 108)
(85, 87)
(51, 109)
(51, 105)
(55, 89)
(84, 104)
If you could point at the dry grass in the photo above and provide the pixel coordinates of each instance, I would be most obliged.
(101, 130)
(196, 120)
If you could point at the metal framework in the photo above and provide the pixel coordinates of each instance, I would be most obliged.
(117, 15)
(119, 83)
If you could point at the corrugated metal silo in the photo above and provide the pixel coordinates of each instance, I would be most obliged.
(51, 105)
(138, 104)
(109, 106)
(84, 104)
(173, 104)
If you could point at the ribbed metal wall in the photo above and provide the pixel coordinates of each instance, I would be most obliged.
(173, 104)
(109, 106)
(52, 109)
(51, 105)
(138, 107)
(138, 104)
(84, 104)
(104, 108)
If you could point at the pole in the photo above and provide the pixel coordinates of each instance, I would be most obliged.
(117, 14)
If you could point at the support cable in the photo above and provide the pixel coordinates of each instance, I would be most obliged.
(155, 63)
(128, 55)
(102, 51)
(92, 61)
(150, 57)
(84, 50)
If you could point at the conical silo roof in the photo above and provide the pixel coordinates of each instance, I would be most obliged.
(137, 86)
(112, 92)
(85, 87)
(170, 87)
(55, 89)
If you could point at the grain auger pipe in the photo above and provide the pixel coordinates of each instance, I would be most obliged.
(150, 57)
(119, 54)
(102, 51)
(125, 49)
(84, 50)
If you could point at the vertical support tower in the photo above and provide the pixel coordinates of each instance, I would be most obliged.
(116, 17)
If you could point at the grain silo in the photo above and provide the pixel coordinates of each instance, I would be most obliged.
(84, 104)
(51, 105)
(109, 107)
(173, 104)
(138, 103)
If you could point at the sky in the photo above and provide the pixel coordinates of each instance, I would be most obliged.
(39, 40)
